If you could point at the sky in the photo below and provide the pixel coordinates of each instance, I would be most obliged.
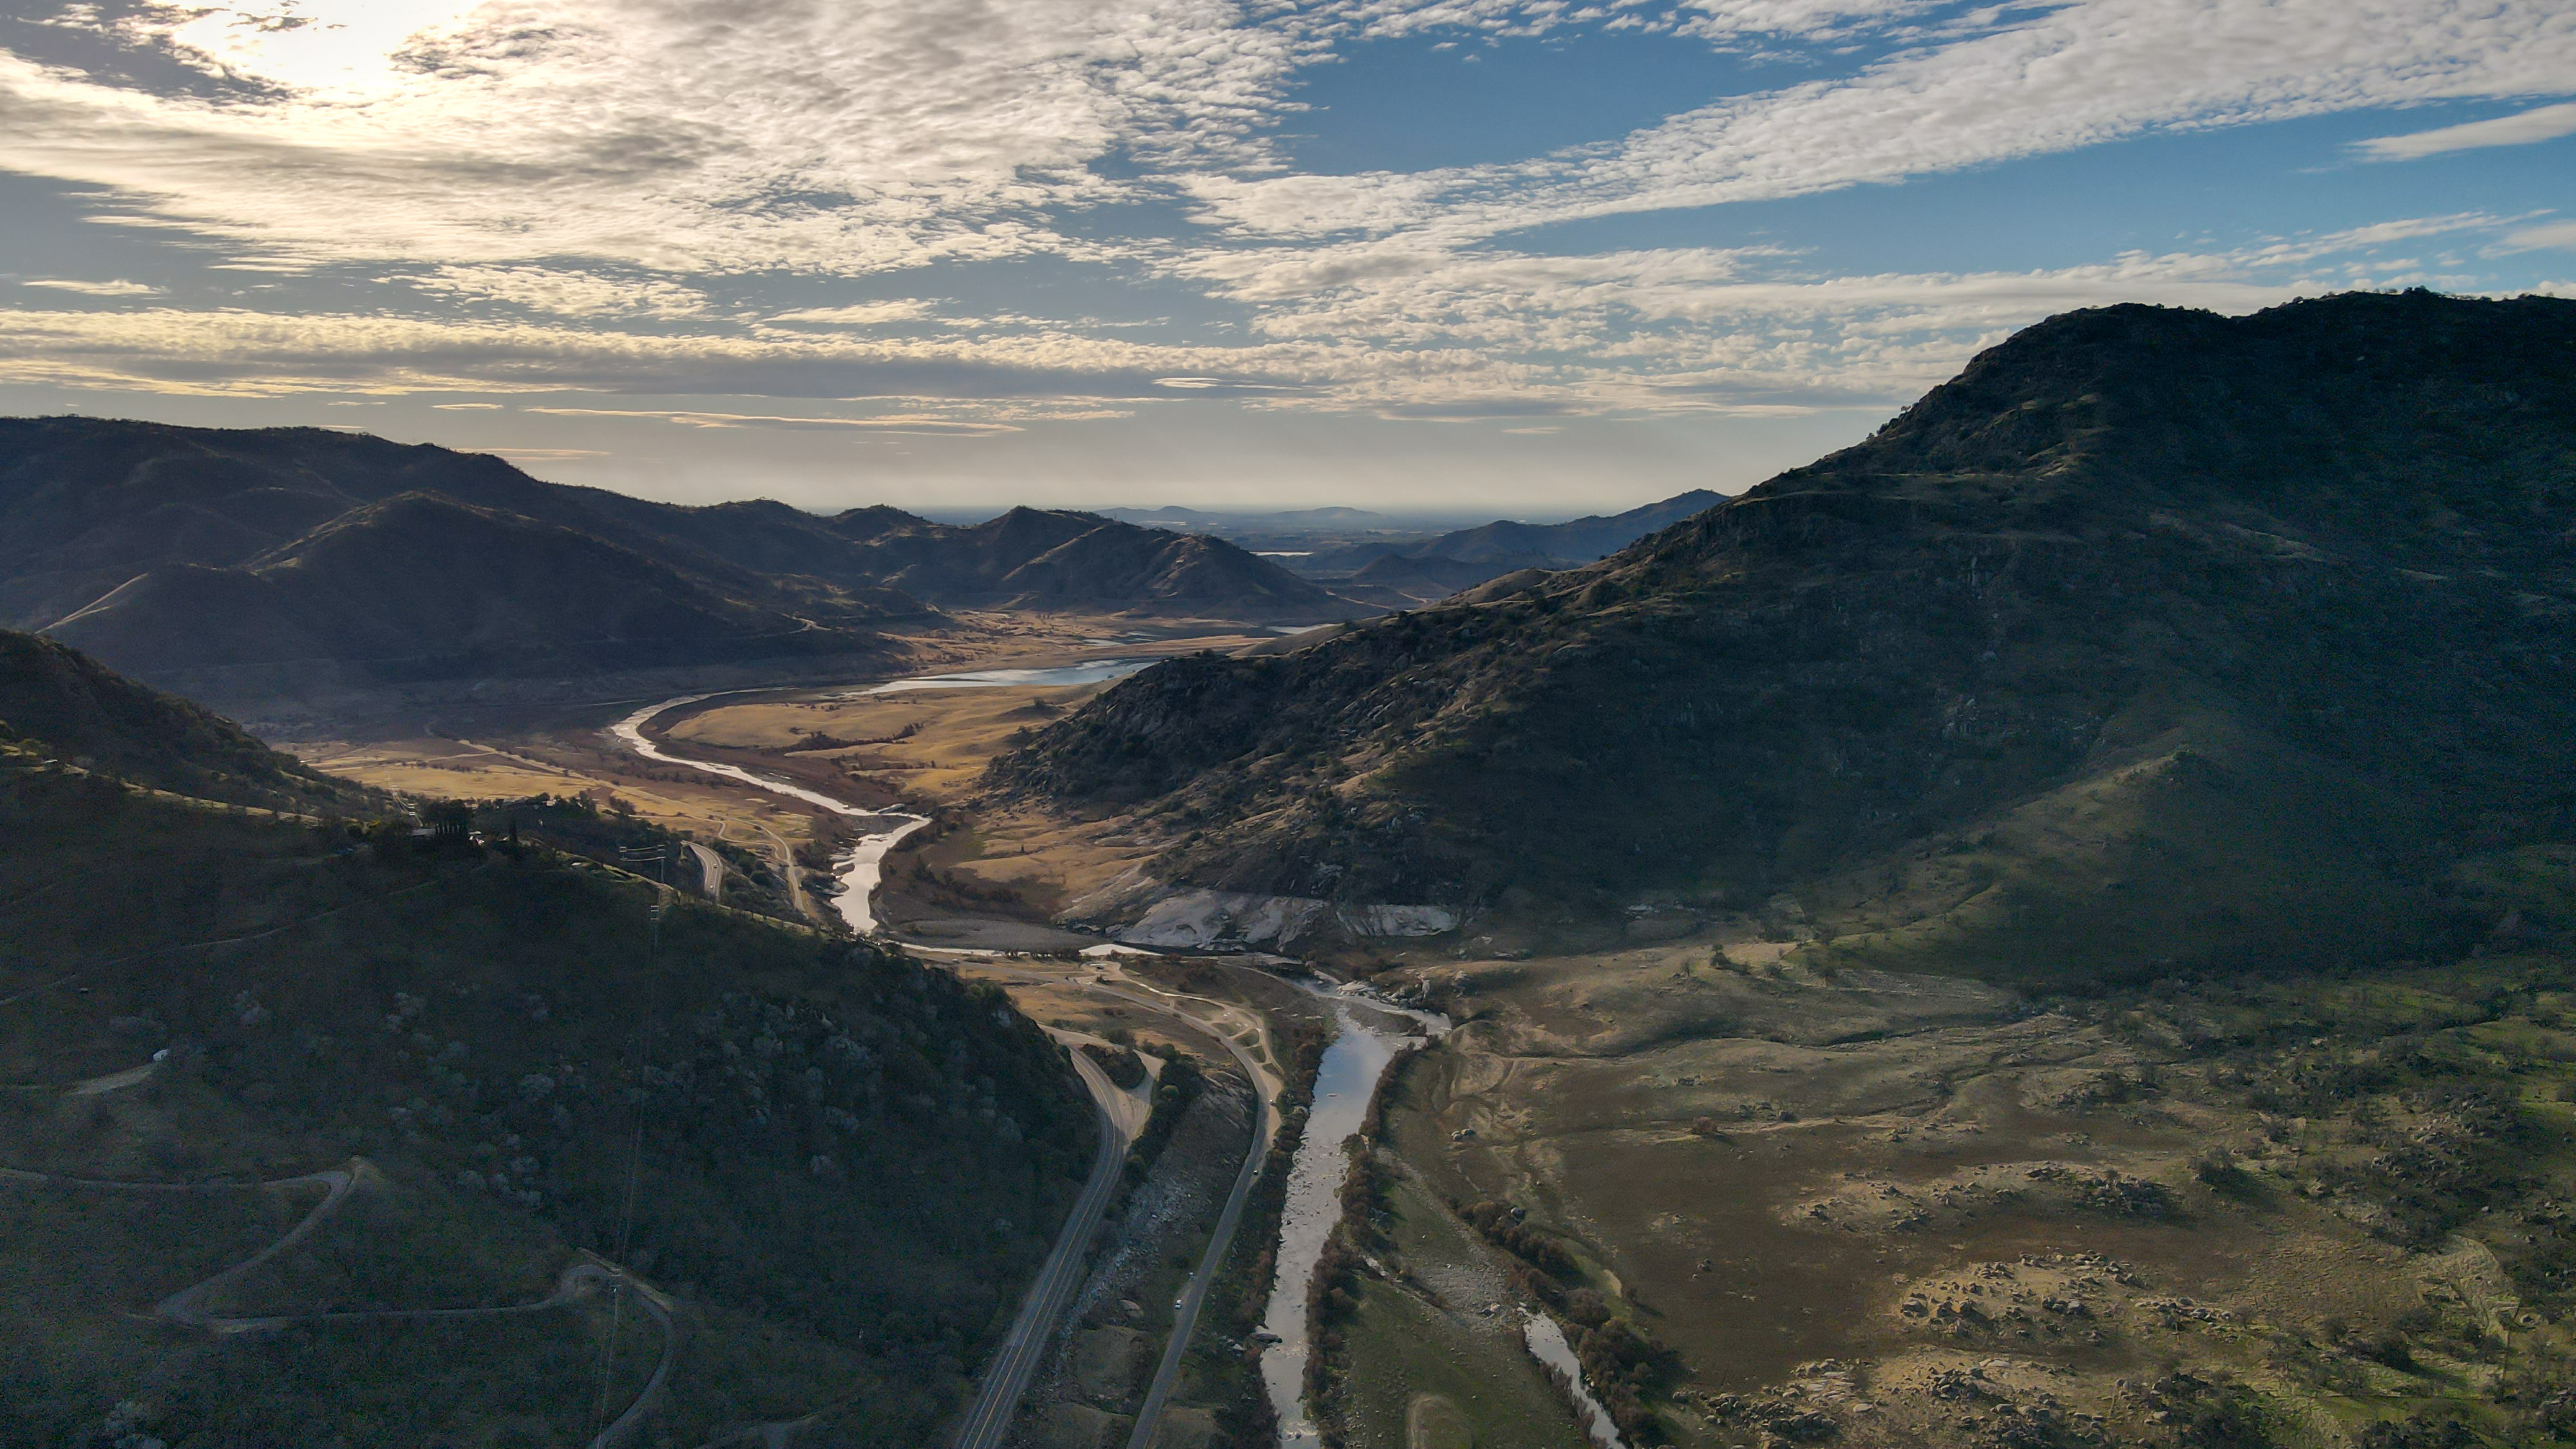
(1513, 257)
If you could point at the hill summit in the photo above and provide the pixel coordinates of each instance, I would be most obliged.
(2154, 638)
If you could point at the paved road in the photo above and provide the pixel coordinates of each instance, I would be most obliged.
(711, 872)
(1167, 1374)
(988, 1419)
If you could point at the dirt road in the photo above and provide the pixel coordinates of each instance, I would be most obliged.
(186, 1308)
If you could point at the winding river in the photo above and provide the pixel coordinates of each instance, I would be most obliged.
(1548, 1344)
(862, 869)
(1371, 1033)
(859, 871)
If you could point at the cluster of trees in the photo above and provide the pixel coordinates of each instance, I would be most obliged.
(1623, 1363)
(853, 1158)
(1181, 1084)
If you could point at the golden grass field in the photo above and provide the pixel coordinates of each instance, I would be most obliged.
(1006, 863)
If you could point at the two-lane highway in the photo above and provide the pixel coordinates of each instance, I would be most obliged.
(1024, 1348)
(1167, 1374)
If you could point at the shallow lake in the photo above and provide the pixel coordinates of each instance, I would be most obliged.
(1092, 671)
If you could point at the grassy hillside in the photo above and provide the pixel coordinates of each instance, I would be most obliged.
(59, 702)
(2158, 636)
(841, 1166)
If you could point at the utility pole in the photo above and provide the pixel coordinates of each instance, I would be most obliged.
(661, 857)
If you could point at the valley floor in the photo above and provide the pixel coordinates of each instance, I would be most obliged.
(1771, 1202)
(1901, 1211)
(920, 748)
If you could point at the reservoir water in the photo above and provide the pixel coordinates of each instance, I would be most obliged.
(1094, 671)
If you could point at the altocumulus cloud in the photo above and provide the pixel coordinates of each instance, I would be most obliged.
(800, 198)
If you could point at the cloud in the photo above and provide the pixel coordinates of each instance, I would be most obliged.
(96, 289)
(859, 314)
(1722, 21)
(541, 456)
(632, 197)
(912, 424)
(675, 135)
(2550, 236)
(1390, 327)
(563, 293)
(2067, 77)
(2547, 123)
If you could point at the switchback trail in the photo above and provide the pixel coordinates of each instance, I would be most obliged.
(578, 1282)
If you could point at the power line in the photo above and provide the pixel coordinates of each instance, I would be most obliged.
(635, 1148)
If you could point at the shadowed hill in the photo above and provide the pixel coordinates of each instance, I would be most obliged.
(184, 553)
(65, 704)
(424, 587)
(1026, 558)
(2155, 636)
(87, 504)
(846, 1165)
(1403, 574)
(1056, 558)
(1579, 540)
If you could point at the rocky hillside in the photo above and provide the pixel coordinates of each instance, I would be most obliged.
(2154, 638)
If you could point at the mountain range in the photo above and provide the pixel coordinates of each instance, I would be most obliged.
(1403, 575)
(249, 565)
(2156, 637)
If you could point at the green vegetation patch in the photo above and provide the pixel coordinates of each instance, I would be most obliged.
(857, 1159)
(1400, 1348)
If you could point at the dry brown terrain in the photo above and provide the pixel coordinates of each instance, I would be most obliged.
(921, 750)
(1916, 1211)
